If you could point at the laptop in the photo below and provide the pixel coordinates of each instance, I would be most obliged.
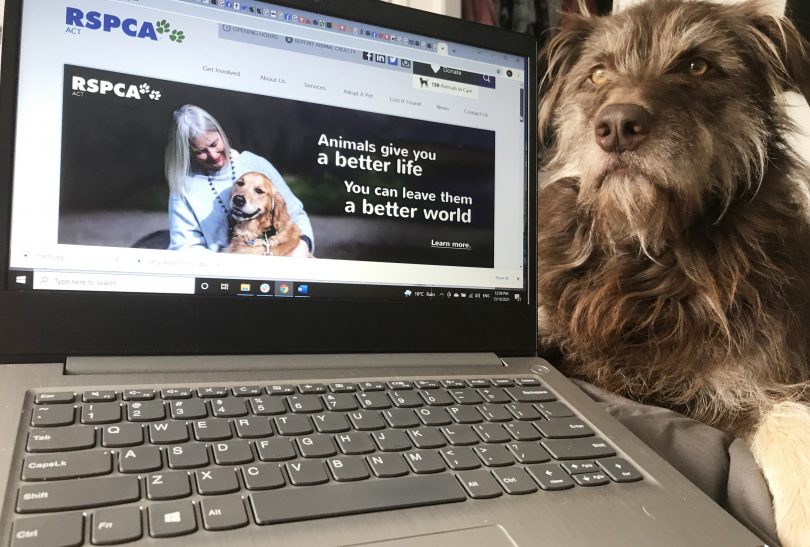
(368, 376)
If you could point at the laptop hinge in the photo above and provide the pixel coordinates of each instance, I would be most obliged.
(245, 363)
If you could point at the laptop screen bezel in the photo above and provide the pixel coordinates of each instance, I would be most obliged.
(48, 324)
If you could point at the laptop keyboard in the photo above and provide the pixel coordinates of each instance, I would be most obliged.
(109, 467)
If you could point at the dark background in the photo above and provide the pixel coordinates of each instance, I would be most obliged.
(113, 191)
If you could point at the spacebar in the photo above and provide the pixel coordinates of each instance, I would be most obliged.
(310, 502)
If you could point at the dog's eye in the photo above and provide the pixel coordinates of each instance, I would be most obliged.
(240, 182)
(698, 67)
(599, 75)
(259, 191)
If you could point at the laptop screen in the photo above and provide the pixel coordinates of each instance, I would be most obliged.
(243, 149)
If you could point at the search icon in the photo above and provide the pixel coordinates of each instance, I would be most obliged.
(487, 78)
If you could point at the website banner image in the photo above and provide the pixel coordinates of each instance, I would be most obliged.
(359, 186)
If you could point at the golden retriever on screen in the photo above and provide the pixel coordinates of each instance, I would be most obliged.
(260, 223)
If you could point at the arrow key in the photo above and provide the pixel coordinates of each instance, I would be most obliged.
(580, 467)
(619, 470)
(550, 476)
(591, 479)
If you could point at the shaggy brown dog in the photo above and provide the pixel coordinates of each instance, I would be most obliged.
(261, 223)
(674, 242)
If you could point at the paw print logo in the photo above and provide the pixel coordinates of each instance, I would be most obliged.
(162, 26)
(144, 89)
(155, 95)
(177, 36)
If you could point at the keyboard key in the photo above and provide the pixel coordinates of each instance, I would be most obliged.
(146, 411)
(460, 435)
(563, 428)
(494, 395)
(387, 465)
(267, 406)
(578, 449)
(530, 394)
(355, 443)
(118, 436)
(550, 476)
(426, 437)
(176, 393)
(280, 390)
(54, 398)
(494, 455)
(554, 410)
(253, 427)
(436, 397)
(138, 395)
(515, 481)
(139, 459)
(312, 388)
(391, 440)
(433, 416)
(247, 391)
(187, 456)
(374, 400)
(492, 433)
(48, 531)
(306, 473)
(619, 470)
(52, 416)
(212, 430)
(580, 466)
(232, 452)
(77, 494)
(98, 396)
(523, 411)
(400, 384)
(171, 519)
(465, 414)
(305, 404)
(406, 399)
(330, 423)
(479, 484)
(168, 433)
(212, 482)
(223, 513)
(427, 384)
(348, 469)
(228, 407)
(460, 458)
(529, 382)
(478, 382)
(371, 386)
(263, 476)
(71, 465)
(366, 420)
(340, 402)
(168, 486)
(191, 409)
(522, 431)
(503, 382)
(118, 525)
(401, 417)
(293, 425)
(494, 413)
(527, 452)
(451, 383)
(316, 446)
(425, 461)
(101, 413)
(591, 479)
(59, 439)
(466, 396)
(274, 450)
(212, 392)
(351, 498)
(342, 388)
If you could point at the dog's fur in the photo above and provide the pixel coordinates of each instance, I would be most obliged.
(678, 272)
(260, 223)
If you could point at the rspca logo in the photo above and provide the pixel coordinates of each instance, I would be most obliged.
(77, 20)
(81, 86)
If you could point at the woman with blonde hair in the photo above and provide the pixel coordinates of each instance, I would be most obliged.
(201, 168)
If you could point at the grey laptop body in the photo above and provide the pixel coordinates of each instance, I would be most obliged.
(385, 390)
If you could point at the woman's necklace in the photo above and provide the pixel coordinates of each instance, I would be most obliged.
(214, 190)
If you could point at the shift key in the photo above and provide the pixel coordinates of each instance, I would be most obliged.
(77, 494)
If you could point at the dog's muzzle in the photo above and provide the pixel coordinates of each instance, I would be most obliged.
(238, 212)
(622, 127)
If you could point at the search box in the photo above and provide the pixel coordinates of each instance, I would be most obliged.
(71, 281)
(453, 75)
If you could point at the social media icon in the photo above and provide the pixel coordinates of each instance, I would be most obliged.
(405, 63)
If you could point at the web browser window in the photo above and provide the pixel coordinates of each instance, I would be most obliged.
(346, 159)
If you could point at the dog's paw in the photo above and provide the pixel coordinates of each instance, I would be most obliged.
(781, 446)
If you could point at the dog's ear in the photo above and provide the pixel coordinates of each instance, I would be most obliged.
(555, 61)
(776, 40)
(279, 217)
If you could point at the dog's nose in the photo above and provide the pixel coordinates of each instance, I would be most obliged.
(239, 201)
(621, 127)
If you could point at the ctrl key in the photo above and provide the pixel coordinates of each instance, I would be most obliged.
(48, 531)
